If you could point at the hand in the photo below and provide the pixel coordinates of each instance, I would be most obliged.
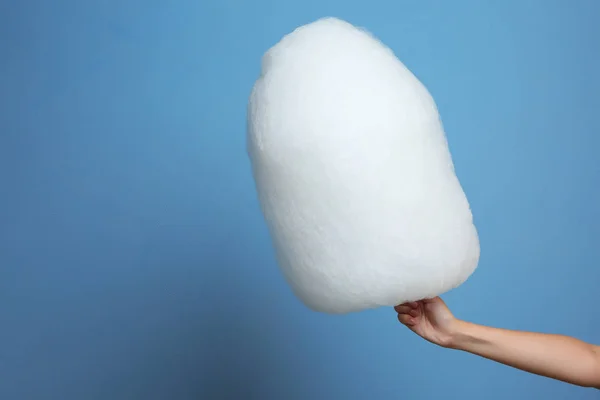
(431, 319)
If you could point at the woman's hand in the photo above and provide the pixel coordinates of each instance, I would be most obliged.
(431, 319)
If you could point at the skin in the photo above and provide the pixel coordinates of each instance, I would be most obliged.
(554, 356)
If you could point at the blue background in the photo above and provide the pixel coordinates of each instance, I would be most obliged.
(135, 264)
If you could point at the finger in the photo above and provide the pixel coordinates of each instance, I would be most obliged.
(411, 304)
(402, 309)
(413, 312)
(406, 319)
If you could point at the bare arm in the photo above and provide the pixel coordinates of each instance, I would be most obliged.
(554, 356)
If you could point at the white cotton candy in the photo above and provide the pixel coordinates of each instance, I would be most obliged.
(354, 175)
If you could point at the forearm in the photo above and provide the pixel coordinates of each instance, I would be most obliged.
(554, 356)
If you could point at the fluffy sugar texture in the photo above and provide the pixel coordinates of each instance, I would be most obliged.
(354, 174)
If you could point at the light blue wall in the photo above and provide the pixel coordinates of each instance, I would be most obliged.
(134, 263)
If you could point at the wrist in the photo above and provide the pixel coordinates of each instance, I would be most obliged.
(457, 334)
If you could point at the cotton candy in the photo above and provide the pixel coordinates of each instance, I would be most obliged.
(354, 175)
